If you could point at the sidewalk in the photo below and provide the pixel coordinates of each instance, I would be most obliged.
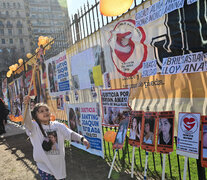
(17, 162)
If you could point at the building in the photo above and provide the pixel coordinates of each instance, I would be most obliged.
(15, 34)
(47, 17)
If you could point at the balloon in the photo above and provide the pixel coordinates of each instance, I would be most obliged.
(110, 136)
(29, 55)
(20, 61)
(114, 7)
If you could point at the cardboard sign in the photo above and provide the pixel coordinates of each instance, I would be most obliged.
(135, 127)
(148, 131)
(204, 141)
(122, 131)
(188, 134)
(165, 131)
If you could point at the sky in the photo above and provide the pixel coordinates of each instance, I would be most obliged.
(73, 5)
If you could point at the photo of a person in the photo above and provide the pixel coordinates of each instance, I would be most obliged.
(53, 137)
(204, 141)
(121, 134)
(135, 129)
(148, 131)
(165, 131)
(51, 77)
(72, 120)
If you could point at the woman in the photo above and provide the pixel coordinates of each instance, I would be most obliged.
(121, 134)
(165, 131)
(134, 131)
(148, 131)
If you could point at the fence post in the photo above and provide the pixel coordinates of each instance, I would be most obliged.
(200, 169)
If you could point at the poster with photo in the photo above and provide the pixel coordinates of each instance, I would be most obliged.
(57, 74)
(84, 118)
(135, 128)
(165, 131)
(188, 134)
(148, 131)
(121, 133)
(204, 141)
(82, 67)
(60, 102)
(114, 105)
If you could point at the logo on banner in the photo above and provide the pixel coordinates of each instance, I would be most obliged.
(189, 124)
(128, 51)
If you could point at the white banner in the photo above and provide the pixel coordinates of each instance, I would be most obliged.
(188, 135)
(57, 74)
(188, 63)
(149, 68)
(85, 119)
(114, 105)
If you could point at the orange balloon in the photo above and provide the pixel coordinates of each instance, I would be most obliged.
(52, 117)
(110, 136)
(114, 7)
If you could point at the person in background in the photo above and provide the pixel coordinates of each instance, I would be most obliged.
(50, 165)
(3, 116)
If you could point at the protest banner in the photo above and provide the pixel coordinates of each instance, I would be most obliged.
(149, 68)
(204, 141)
(57, 73)
(82, 68)
(165, 131)
(114, 105)
(188, 135)
(84, 118)
(148, 131)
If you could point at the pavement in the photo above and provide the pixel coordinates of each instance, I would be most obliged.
(12, 129)
(16, 150)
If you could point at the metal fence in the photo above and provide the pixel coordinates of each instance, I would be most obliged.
(83, 24)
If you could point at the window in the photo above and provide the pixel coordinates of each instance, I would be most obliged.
(18, 13)
(8, 5)
(14, 4)
(20, 31)
(10, 31)
(11, 41)
(3, 41)
(1, 31)
(21, 41)
(1, 24)
(18, 5)
(22, 49)
(7, 13)
(4, 4)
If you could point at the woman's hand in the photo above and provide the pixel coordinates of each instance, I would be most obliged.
(26, 99)
(86, 143)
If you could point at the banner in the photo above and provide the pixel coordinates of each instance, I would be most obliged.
(188, 135)
(114, 105)
(57, 73)
(82, 68)
(85, 119)
(179, 33)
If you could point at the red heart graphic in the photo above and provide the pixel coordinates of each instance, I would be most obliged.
(124, 46)
(189, 123)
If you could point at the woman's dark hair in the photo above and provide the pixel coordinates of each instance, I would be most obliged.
(46, 144)
(150, 121)
(170, 120)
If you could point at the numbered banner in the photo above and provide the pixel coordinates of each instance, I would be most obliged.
(188, 134)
